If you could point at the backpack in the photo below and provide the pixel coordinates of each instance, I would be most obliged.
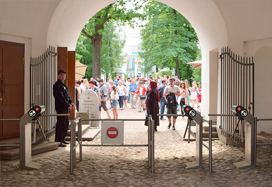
(161, 90)
(171, 100)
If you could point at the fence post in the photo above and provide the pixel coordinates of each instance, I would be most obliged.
(72, 145)
(79, 138)
(149, 135)
(210, 145)
(255, 141)
(153, 146)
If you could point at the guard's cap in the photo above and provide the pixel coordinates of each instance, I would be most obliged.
(61, 71)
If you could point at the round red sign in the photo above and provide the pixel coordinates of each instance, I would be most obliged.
(112, 132)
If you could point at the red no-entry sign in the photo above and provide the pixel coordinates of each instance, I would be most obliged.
(112, 132)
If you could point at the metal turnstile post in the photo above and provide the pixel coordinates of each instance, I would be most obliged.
(193, 115)
(250, 137)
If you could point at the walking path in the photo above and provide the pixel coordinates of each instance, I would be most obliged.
(127, 166)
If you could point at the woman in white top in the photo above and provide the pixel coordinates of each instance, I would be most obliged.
(188, 91)
(121, 89)
(183, 96)
(114, 100)
(194, 95)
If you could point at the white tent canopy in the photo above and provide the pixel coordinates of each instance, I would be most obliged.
(80, 70)
(196, 64)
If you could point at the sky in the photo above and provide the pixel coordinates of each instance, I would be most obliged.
(132, 39)
(132, 35)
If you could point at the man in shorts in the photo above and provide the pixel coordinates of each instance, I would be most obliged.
(171, 109)
(103, 98)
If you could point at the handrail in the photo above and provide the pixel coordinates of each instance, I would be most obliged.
(47, 115)
(264, 119)
(14, 119)
(112, 119)
(171, 115)
(221, 115)
(9, 144)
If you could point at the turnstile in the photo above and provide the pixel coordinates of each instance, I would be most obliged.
(25, 137)
(196, 117)
(250, 136)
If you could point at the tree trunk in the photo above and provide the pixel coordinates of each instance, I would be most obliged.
(177, 68)
(188, 75)
(177, 61)
(97, 44)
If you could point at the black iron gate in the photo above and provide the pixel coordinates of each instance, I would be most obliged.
(237, 88)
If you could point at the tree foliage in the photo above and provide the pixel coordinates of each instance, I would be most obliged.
(168, 40)
(112, 45)
(95, 27)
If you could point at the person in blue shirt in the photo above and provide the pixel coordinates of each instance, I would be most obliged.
(115, 82)
(162, 99)
(132, 88)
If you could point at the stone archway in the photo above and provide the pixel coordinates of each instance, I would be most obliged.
(71, 15)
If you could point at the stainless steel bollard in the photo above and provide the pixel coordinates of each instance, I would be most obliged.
(153, 146)
(210, 146)
(149, 137)
(72, 145)
(255, 141)
(79, 138)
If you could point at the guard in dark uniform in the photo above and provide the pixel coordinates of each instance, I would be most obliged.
(63, 104)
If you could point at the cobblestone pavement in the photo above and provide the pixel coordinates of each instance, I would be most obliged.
(127, 166)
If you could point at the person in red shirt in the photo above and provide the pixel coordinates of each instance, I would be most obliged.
(140, 96)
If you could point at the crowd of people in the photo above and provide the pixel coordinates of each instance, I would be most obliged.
(149, 95)
(170, 92)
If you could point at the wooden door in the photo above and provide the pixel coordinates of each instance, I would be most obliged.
(11, 87)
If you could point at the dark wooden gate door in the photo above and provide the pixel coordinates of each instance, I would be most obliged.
(11, 87)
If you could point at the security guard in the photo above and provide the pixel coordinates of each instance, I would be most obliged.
(63, 104)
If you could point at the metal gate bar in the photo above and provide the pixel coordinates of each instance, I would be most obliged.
(73, 144)
(237, 88)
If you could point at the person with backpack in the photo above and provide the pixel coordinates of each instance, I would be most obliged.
(170, 94)
(162, 99)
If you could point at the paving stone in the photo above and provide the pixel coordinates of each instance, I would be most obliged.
(128, 166)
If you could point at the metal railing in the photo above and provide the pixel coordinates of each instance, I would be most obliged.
(73, 144)
(189, 132)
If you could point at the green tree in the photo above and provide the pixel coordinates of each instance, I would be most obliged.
(95, 28)
(168, 40)
(112, 45)
(111, 48)
(84, 53)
